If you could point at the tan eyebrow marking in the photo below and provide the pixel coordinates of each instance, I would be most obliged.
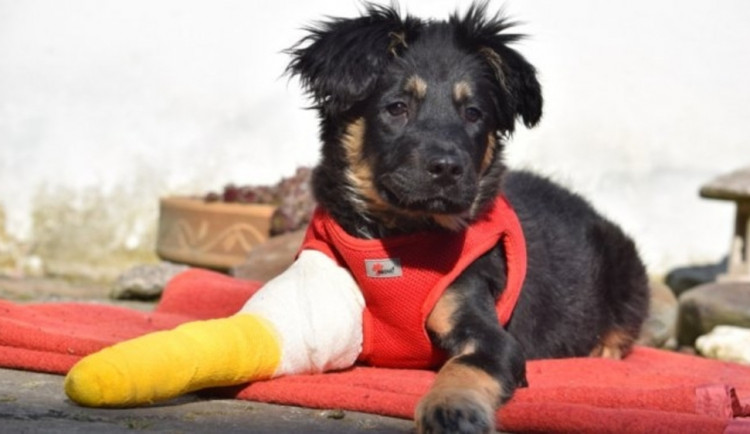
(461, 91)
(416, 86)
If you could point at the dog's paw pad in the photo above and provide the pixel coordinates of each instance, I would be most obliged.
(456, 411)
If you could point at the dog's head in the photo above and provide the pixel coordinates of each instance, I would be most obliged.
(413, 114)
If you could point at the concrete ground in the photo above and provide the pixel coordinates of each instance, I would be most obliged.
(35, 403)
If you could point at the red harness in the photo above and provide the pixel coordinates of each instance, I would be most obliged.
(402, 278)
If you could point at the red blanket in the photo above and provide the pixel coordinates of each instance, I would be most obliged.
(650, 391)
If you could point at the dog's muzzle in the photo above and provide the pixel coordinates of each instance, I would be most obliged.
(438, 184)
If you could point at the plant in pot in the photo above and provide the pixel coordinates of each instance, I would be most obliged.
(218, 230)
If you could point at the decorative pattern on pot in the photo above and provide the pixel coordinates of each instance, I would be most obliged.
(210, 234)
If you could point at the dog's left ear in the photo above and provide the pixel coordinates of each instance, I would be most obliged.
(340, 60)
(516, 76)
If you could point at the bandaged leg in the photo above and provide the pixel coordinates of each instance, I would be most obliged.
(167, 364)
(307, 320)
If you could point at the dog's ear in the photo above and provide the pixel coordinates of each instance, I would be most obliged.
(516, 76)
(340, 60)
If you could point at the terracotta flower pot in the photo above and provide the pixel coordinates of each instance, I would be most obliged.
(210, 234)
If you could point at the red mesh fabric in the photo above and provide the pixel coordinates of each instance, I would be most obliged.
(421, 266)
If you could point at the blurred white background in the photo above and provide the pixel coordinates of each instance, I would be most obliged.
(111, 104)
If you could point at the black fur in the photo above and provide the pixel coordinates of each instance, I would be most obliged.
(414, 115)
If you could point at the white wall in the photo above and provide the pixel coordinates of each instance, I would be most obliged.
(116, 102)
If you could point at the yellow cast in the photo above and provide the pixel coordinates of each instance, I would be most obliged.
(166, 364)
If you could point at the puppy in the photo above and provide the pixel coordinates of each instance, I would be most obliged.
(414, 118)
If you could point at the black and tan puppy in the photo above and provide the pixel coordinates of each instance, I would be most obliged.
(414, 117)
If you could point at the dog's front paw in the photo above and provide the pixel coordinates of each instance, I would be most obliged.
(454, 411)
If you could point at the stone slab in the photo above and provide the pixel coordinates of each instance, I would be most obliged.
(704, 307)
(35, 403)
(731, 186)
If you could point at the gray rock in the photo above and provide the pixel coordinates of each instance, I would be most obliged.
(683, 278)
(266, 261)
(660, 326)
(706, 306)
(145, 282)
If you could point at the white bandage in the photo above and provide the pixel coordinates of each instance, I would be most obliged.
(316, 308)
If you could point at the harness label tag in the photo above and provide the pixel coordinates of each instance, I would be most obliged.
(383, 268)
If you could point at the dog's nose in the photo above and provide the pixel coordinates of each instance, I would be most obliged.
(445, 168)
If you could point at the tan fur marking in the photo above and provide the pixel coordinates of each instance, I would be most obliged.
(459, 388)
(440, 320)
(616, 344)
(353, 139)
(461, 91)
(469, 348)
(489, 153)
(416, 86)
(459, 376)
(359, 172)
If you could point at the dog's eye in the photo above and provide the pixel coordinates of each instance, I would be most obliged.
(472, 114)
(397, 108)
